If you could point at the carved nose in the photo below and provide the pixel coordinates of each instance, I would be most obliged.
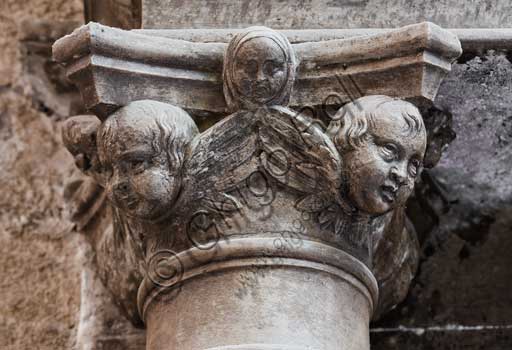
(260, 75)
(398, 175)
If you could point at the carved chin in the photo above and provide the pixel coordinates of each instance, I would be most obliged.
(143, 208)
(380, 207)
(259, 96)
(377, 202)
(259, 100)
(388, 196)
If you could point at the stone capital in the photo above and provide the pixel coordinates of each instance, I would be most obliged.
(259, 232)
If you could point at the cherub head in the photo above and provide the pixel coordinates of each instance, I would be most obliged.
(259, 69)
(382, 142)
(141, 149)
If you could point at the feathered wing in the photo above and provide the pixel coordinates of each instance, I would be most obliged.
(221, 157)
(297, 153)
(287, 146)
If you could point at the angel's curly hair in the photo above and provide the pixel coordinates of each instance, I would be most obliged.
(349, 127)
(175, 129)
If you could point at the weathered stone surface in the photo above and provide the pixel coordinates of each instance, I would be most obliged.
(473, 40)
(40, 267)
(41, 251)
(51, 91)
(324, 14)
(125, 14)
(12, 15)
(102, 324)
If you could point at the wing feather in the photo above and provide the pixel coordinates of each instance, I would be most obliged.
(298, 154)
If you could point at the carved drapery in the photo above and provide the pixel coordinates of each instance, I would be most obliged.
(261, 231)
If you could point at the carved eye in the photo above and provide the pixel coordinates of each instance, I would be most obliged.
(137, 166)
(270, 68)
(414, 166)
(390, 151)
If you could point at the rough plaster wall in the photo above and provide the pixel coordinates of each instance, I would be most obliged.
(39, 252)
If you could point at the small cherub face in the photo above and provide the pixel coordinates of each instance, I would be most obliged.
(260, 69)
(140, 179)
(381, 171)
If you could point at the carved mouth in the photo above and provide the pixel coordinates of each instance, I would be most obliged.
(261, 90)
(389, 193)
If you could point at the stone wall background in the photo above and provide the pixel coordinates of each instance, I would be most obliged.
(461, 297)
(316, 14)
(39, 251)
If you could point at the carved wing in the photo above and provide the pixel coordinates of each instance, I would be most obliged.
(223, 154)
(297, 153)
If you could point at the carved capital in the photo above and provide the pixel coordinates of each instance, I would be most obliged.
(269, 218)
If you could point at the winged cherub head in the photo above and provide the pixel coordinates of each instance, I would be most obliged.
(259, 69)
(382, 142)
(141, 149)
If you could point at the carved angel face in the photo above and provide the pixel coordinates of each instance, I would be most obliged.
(139, 178)
(141, 149)
(260, 70)
(381, 171)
